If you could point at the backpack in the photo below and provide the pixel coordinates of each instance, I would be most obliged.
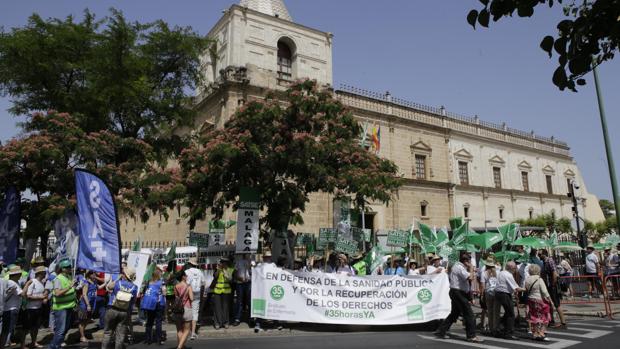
(122, 299)
(177, 306)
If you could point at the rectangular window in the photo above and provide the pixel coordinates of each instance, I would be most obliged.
(569, 185)
(549, 184)
(501, 213)
(466, 212)
(463, 173)
(497, 177)
(531, 214)
(420, 167)
(423, 211)
(525, 181)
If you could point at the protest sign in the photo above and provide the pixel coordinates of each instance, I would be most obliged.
(326, 235)
(398, 238)
(347, 246)
(248, 226)
(284, 295)
(140, 262)
(198, 239)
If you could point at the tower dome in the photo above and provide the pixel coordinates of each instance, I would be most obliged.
(274, 8)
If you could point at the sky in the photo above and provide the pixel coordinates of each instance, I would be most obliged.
(419, 50)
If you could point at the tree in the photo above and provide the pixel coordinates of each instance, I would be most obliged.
(127, 78)
(121, 90)
(607, 207)
(287, 148)
(588, 36)
(548, 221)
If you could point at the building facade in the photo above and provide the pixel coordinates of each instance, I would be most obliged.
(452, 165)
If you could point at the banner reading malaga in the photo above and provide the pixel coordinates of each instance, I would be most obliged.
(279, 294)
(99, 248)
(9, 225)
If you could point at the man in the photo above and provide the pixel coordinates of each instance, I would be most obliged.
(64, 300)
(12, 304)
(396, 267)
(243, 278)
(435, 266)
(592, 270)
(195, 278)
(121, 302)
(461, 275)
(505, 289)
(360, 266)
(611, 268)
(222, 292)
(551, 279)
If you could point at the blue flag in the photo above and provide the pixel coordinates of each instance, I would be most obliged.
(99, 247)
(9, 225)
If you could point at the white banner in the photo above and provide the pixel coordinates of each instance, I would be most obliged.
(140, 262)
(279, 294)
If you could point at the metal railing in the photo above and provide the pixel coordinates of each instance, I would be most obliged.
(441, 112)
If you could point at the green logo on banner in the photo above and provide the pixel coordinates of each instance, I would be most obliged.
(415, 313)
(259, 306)
(425, 295)
(277, 292)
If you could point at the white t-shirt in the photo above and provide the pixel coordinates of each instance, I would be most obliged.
(524, 273)
(505, 282)
(413, 272)
(195, 279)
(36, 288)
(591, 262)
(13, 301)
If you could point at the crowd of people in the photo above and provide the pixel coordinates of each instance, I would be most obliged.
(60, 298)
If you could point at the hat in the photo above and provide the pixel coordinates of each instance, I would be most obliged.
(192, 261)
(40, 269)
(434, 258)
(429, 256)
(37, 260)
(15, 270)
(413, 262)
(267, 254)
(590, 247)
(398, 258)
(343, 256)
(358, 256)
(130, 273)
(65, 263)
(489, 262)
(298, 260)
(318, 258)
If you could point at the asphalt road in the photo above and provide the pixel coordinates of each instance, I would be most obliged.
(582, 333)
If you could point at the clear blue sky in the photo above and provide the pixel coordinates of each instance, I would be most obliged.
(422, 51)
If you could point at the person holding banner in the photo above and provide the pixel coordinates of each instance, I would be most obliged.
(64, 300)
(461, 275)
(122, 298)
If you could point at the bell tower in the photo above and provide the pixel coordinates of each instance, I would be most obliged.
(257, 39)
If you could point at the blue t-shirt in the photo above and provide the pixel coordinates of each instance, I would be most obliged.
(91, 294)
(395, 271)
(152, 296)
(126, 286)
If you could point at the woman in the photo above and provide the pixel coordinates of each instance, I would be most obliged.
(488, 282)
(538, 303)
(151, 306)
(87, 301)
(222, 292)
(185, 295)
(36, 296)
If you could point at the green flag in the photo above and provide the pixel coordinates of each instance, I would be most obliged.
(149, 272)
(455, 222)
(172, 254)
(374, 258)
(137, 245)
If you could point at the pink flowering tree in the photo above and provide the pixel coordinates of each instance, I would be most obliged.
(287, 148)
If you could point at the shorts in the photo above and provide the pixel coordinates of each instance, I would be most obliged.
(196, 307)
(83, 314)
(33, 319)
(596, 282)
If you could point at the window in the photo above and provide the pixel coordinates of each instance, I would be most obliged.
(285, 61)
(525, 181)
(501, 213)
(497, 177)
(549, 184)
(423, 209)
(531, 212)
(463, 173)
(420, 166)
(569, 185)
(466, 211)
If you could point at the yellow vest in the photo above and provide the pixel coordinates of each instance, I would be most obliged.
(222, 285)
(67, 300)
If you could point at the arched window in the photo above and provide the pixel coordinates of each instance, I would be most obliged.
(285, 61)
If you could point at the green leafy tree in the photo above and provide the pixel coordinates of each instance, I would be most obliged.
(588, 36)
(121, 89)
(287, 148)
(607, 207)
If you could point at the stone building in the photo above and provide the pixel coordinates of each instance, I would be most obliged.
(453, 165)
